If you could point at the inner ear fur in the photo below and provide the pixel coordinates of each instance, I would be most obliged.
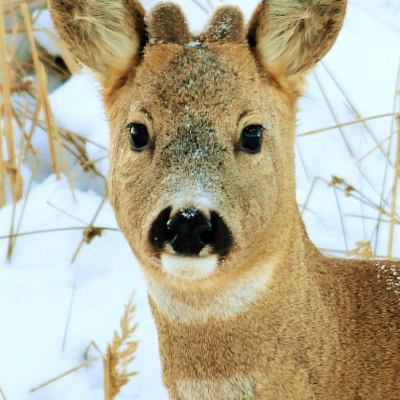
(104, 35)
(291, 36)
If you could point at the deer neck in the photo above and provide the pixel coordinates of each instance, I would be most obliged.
(264, 324)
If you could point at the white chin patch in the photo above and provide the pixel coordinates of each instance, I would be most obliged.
(189, 268)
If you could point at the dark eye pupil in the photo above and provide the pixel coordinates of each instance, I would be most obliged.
(251, 137)
(139, 136)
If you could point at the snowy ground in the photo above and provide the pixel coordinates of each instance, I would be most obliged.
(39, 286)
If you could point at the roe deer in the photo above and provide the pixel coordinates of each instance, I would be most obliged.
(203, 185)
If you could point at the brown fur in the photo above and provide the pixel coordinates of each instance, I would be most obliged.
(227, 24)
(276, 320)
(167, 24)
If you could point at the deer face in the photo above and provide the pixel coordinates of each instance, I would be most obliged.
(197, 173)
(201, 156)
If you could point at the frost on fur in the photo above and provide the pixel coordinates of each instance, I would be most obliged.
(167, 24)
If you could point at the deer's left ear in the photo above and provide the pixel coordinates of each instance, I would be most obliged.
(291, 36)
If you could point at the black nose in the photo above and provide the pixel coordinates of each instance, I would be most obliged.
(189, 231)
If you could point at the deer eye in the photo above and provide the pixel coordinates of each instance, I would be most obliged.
(139, 136)
(251, 138)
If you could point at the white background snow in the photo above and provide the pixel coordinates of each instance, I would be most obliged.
(38, 287)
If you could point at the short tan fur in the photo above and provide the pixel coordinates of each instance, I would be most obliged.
(202, 183)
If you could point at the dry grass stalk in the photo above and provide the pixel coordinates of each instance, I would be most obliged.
(378, 146)
(210, 4)
(96, 347)
(89, 229)
(355, 112)
(3, 395)
(394, 194)
(357, 121)
(9, 165)
(363, 251)
(43, 99)
(339, 206)
(76, 228)
(11, 5)
(84, 364)
(69, 60)
(343, 254)
(49, 118)
(386, 177)
(3, 194)
(396, 121)
(350, 191)
(334, 116)
(387, 206)
(12, 240)
(201, 6)
(51, 129)
(120, 353)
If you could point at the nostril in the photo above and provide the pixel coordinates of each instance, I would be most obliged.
(220, 237)
(159, 233)
(189, 231)
(186, 231)
(181, 224)
(171, 232)
(208, 234)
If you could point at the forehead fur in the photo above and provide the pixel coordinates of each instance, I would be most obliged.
(209, 76)
(167, 24)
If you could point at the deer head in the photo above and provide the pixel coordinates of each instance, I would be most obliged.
(202, 127)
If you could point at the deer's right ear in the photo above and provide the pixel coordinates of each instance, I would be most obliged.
(104, 35)
(291, 36)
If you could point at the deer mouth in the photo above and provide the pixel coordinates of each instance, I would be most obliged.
(189, 268)
(190, 242)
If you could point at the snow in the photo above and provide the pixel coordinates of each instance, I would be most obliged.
(364, 61)
(40, 288)
(193, 44)
(44, 32)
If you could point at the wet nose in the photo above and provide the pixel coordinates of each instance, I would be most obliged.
(189, 231)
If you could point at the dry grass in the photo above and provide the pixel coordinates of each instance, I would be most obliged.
(16, 20)
(120, 353)
(27, 101)
(387, 209)
(64, 374)
(3, 396)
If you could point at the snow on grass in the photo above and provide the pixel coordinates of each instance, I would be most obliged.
(40, 284)
(37, 288)
(364, 61)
